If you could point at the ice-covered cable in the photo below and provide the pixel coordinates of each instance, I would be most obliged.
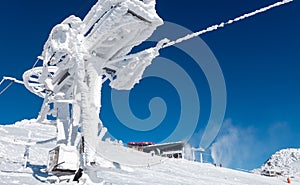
(217, 26)
(12, 81)
(37, 60)
(6, 87)
(2, 81)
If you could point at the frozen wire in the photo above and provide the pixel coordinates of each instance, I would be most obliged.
(13, 80)
(3, 90)
(37, 60)
(221, 25)
(2, 81)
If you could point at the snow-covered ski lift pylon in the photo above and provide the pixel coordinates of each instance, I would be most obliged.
(78, 53)
(78, 57)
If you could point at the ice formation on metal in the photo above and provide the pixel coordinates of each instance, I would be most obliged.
(78, 57)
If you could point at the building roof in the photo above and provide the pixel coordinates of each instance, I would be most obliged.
(174, 146)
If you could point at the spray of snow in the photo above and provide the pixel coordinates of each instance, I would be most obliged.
(237, 146)
(233, 145)
(221, 25)
(188, 152)
(222, 150)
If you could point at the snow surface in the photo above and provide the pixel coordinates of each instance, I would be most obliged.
(286, 161)
(119, 165)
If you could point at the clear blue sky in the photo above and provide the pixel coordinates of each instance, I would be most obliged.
(259, 58)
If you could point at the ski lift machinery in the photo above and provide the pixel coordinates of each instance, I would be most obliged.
(79, 56)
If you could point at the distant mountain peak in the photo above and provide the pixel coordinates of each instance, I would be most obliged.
(285, 162)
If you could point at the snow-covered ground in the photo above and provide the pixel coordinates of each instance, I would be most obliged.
(13, 140)
(119, 165)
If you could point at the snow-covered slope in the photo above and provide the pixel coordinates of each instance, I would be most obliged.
(13, 141)
(285, 162)
(119, 165)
